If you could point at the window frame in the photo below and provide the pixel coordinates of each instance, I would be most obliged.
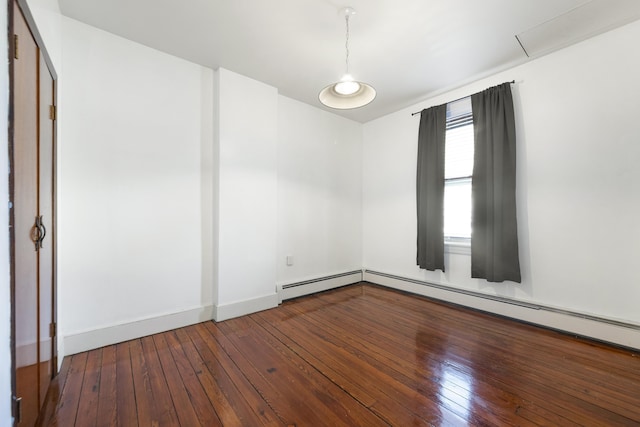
(457, 244)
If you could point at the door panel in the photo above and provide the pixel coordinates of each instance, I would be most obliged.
(25, 175)
(45, 202)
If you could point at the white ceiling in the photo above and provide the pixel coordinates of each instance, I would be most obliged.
(407, 49)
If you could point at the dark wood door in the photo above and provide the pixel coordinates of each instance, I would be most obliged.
(33, 221)
(25, 209)
(45, 209)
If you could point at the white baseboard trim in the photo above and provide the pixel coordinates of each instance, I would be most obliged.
(600, 329)
(307, 287)
(89, 340)
(241, 308)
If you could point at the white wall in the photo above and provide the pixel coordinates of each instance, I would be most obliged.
(48, 19)
(133, 125)
(5, 294)
(247, 194)
(319, 192)
(289, 183)
(578, 182)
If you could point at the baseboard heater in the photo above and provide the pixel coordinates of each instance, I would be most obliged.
(307, 287)
(506, 300)
(321, 279)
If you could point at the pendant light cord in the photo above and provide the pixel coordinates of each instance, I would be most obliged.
(346, 43)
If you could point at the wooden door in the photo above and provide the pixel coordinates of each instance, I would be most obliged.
(25, 209)
(45, 209)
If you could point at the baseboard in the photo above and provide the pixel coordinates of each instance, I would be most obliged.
(241, 308)
(97, 338)
(580, 324)
(601, 329)
(307, 287)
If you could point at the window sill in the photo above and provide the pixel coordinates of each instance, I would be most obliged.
(458, 247)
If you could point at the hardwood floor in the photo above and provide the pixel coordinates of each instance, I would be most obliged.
(356, 356)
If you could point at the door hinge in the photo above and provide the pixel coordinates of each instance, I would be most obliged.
(52, 330)
(52, 112)
(17, 409)
(15, 46)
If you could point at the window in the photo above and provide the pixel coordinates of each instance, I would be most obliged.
(458, 171)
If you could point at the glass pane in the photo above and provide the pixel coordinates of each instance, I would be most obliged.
(457, 209)
(458, 170)
(459, 152)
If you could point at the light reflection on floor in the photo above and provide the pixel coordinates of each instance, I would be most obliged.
(444, 379)
(456, 391)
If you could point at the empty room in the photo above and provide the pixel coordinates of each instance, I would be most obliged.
(314, 213)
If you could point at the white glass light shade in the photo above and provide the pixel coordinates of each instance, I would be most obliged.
(341, 95)
(348, 87)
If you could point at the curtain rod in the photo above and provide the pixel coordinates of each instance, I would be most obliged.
(418, 112)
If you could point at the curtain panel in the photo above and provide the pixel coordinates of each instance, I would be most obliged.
(430, 188)
(494, 238)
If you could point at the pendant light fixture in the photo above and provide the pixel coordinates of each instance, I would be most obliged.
(347, 93)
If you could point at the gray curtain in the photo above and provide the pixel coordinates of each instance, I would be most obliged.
(430, 188)
(494, 239)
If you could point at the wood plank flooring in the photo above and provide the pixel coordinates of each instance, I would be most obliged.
(356, 356)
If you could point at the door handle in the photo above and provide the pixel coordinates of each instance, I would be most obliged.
(43, 231)
(36, 233)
